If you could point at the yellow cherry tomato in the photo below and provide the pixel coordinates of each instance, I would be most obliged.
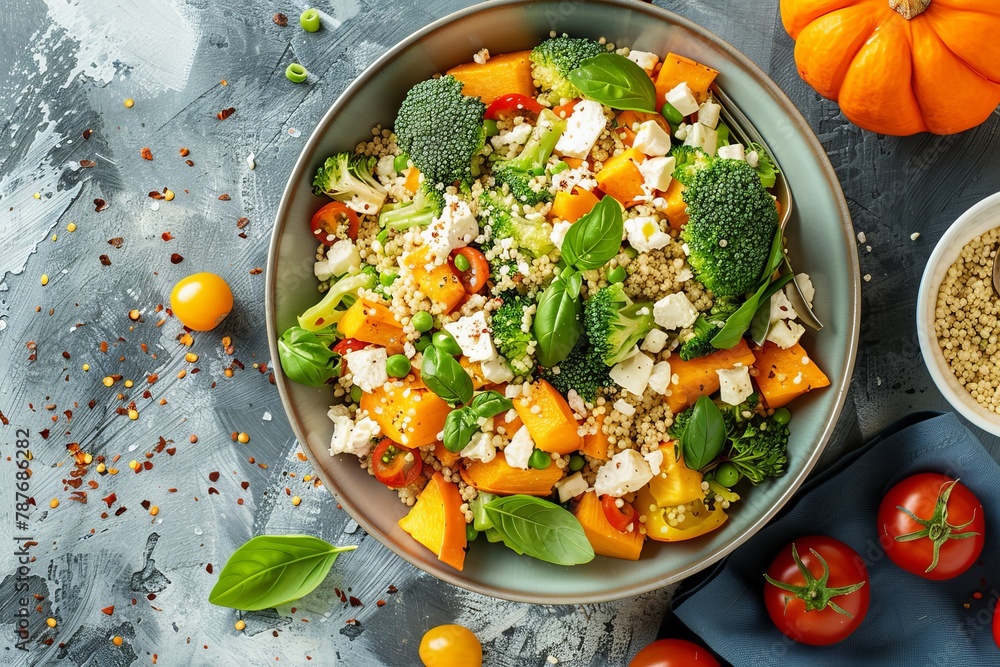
(201, 301)
(449, 646)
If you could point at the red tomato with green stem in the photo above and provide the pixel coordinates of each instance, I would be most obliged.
(328, 221)
(673, 653)
(817, 590)
(394, 465)
(932, 525)
(620, 518)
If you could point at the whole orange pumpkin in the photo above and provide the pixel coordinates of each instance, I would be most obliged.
(901, 66)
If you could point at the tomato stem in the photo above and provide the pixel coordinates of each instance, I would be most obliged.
(816, 594)
(936, 528)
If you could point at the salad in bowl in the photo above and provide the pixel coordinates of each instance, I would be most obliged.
(550, 308)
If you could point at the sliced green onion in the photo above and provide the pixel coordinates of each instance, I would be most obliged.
(309, 20)
(296, 73)
(387, 278)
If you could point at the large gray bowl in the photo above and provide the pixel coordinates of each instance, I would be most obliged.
(821, 244)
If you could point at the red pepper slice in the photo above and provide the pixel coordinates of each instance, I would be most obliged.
(512, 104)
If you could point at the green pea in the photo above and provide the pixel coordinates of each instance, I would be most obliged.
(670, 112)
(445, 342)
(539, 460)
(462, 263)
(387, 278)
(576, 462)
(422, 343)
(397, 366)
(422, 321)
(631, 252)
(309, 20)
(296, 73)
(356, 394)
(727, 475)
(470, 532)
(782, 416)
(558, 167)
(491, 127)
(617, 275)
(401, 162)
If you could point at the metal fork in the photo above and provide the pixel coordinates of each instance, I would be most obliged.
(745, 132)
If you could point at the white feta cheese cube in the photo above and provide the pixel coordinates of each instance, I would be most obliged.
(734, 384)
(785, 333)
(571, 487)
(583, 127)
(654, 341)
(644, 233)
(651, 139)
(559, 231)
(480, 448)
(659, 377)
(682, 98)
(753, 159)
(512, 390)
(702, 137)
(456, 227)
(685, 274)
(339, 410)
(322, 270)
(805, 284)
(624, 407)
(342, 425)
(517, 135)
(342, 257)
(626, 472)
(385, 166)
(731, 152)
(519, 450)
(681, 132)
(657, 172)
(781, 307)
(576, 403)
(368, 367)
(472, 334)
(655, 460)
(674, 311)
(360, 441)
(708, 114)
(644, 59)
(496, 371)
(633, 373)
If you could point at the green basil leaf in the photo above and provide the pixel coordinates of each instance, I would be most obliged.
(557, 326)
(445, 376)
(490, 404)
(760, 326)
(271, 570)
(596, 237)
(615, 81)
(704, 435)
(306, 357)
(540, 529)
(738, 323)
(775, 257)
(459, 427)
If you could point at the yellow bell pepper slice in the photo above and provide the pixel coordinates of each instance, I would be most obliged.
(676, 484)
(697, 521)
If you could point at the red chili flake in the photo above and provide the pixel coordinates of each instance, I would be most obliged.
(239, 501)
(105, 260)
(977, 596)
(213, 476)
(93, 484)
(121, 510)
(65, 354)
(176, 259)
(245, 485)
(280, 19)
(172, 490)
(270, 378)
(75, 483)
(189, 163)
(355, 602)
(262, 368)
(69, 414)
(100, 205)
(213, 490)
(171, 451)
(185, 152)
(79, 496)
(145, 504)
(256, 271)
(151, 596)
(209, 568)
(87, 133)
(110, 499)
(155, 194)
(242, 235)
(392, 589)
(91, 403)
(380, 603)
(6, 422)
(87, 164)
(242, 222)
(225, 113)
(224, 197)
(147, 465)
(146, 153)
(44, 432)
(117, 242)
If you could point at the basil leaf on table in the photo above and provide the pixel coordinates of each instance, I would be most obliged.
(272, 570)
(704, 435)
(557, 326)
(596, 237)
(306, 356)
(615, 81)
(445, 376)
(540, 529)
(490, 404)
(459, 427)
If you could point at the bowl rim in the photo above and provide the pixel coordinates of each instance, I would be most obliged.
(852, 329)
(972, 223)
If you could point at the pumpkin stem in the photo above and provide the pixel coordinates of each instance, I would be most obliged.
(909, 8)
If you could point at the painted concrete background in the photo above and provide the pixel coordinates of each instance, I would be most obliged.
(70, 155)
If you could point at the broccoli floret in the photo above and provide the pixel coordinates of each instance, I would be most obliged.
(706, 327)
(759, 449)
(583, 370)
(509, 335)
(441, 129)
(427, 204)
(731, 226)
(501, 222)
(688, 161)
(614, 324)
(348, 178)
(343, 292)
(519, 173)
(766, 169)
(554, 59)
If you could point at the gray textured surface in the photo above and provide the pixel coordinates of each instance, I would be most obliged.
(67, 67)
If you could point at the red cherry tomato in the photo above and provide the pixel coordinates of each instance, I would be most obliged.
(513, 104)
(565, 110)
(620, 518)
(394, 465)
(328, 221)
(673, 653)
(803, 605)
(474, 278)
(349, 345)
(948, 533)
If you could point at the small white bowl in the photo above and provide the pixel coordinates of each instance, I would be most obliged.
(978, 220)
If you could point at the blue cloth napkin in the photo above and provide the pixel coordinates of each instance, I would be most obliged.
(911, 621)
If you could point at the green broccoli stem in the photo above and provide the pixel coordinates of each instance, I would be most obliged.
(539, 147)
(406, 216)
